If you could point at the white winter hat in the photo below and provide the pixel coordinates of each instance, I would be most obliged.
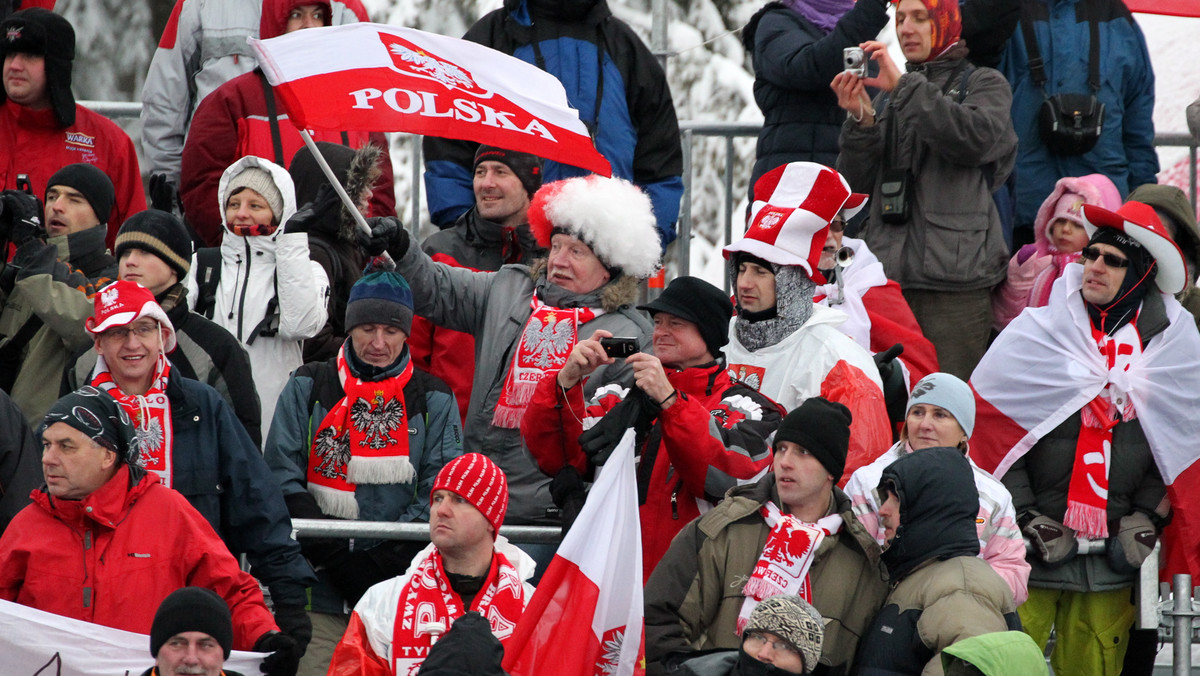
(612, 216)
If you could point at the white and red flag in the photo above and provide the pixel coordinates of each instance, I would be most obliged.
(585, 619)
(1046, 366)
(373, 77)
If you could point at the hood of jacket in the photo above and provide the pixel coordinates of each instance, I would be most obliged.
(1095, 189)
(565, 11)
(938, 506)
(998, 654)
(468, 649)
(283, 181)
(357, 170)
(107, 506)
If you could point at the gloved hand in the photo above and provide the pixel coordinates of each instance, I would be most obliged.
(387, 234)
(285, 655)
(20, 217)
(568, 494)
(164, 196)
(636, 411)
(1053, 543)
(294, 621)
(323, 207)
(895, 395)
(1133, 541)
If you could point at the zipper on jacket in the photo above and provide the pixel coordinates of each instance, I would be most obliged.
(87, 591)
(242, 296)
(675, 503)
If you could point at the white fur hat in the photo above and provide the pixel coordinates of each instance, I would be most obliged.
(612, 216)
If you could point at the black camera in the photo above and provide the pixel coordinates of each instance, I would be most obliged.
(619, 348)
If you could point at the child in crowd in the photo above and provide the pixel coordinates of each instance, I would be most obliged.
(1059, 236)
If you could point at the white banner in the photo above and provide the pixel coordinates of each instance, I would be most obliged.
(36, 643)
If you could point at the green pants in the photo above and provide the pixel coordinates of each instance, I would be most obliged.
(327, 631)
(1092, 628)
(958, 323)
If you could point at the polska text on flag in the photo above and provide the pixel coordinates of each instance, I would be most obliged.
(585, 619)
(374, 77)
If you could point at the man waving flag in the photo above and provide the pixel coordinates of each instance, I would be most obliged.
(378, 77)
(585, 619)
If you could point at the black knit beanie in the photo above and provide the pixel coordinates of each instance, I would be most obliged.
(93, 184)
(527, 167)
(43, 33)
(699, 302)
(159, 233)
(192, 609)
(822, 428)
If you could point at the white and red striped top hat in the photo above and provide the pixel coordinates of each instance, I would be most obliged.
(1140, 222)
(789, 219)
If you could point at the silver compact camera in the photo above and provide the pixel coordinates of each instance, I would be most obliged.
(854, 60)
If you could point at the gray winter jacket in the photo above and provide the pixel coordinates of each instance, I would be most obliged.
(959, 150)
(493, 307)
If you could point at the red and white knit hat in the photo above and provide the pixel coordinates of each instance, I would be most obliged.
(1140, 222)
(789, 220)
(123, 303)
(480, 482)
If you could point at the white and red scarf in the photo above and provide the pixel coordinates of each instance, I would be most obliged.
(428, 601)
(782, 567)
(362, 440)
(1046, 366)
(151, 416)
(547, 339)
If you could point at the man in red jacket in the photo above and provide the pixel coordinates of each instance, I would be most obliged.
(242, 117)
(105, 542)
(42, 129)
(699, 433)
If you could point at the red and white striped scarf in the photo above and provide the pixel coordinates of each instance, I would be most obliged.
(151, 416)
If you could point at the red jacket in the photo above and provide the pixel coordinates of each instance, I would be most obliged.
(233, 121)
(713, 436)
(112, 558)
(892, 321)
(31, 142)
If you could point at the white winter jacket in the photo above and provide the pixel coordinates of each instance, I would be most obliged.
(255, 270)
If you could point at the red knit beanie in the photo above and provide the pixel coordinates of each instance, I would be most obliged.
(480, 482)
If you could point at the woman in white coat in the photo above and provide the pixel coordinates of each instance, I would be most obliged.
(268, 293)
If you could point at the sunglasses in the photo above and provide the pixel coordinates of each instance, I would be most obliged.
(1091, 253)
(837, 225)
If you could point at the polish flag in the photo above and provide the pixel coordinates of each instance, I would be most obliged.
(373, 77)
(585, 619)
(1167, 7)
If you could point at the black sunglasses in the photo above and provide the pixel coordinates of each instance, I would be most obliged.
(1091, 253)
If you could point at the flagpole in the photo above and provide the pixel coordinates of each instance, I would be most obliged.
(337, 186)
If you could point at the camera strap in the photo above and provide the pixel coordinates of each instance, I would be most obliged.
(1037, 65)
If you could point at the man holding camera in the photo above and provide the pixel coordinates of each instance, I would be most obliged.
(680, 391)
(45, 288)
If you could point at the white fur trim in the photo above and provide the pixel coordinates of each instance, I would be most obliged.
(395, 469)
(614, 218)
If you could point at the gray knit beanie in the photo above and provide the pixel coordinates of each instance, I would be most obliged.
(792, 619)
(948, 392)
(261, 182)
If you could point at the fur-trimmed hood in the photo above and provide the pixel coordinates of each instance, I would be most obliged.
(617, 293)
(357, 170)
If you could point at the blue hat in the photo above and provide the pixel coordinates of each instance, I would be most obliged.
(380, 298)
(948, 392)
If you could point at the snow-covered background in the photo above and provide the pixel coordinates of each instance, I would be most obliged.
(709, 73)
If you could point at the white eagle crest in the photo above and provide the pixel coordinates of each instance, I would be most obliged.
(442, 71)
(333, 451)
(377, 420)
(547, 341)
(148, 439)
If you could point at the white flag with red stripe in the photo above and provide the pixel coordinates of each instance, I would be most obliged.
(585, 619)
(373, 77)
(1046, 366)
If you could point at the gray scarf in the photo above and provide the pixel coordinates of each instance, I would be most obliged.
(793, 303)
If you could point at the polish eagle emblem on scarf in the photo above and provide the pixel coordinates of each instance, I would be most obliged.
(548, 340)
(334, 452)
(377, 419)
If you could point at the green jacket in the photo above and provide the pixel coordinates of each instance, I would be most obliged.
(695, 593)
(996, 654)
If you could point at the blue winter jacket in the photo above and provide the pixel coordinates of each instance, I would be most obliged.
(637, 131)
(1125, 152)
(220, 471)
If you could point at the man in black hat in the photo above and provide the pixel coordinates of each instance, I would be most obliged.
(45, 288)
(48, 129)
(492, 233)
(791, 532)
(192, 634)
(680, 392)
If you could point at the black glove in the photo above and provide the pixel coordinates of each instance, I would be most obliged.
(568, 494)
(895, 395)
(294, 621)
(20, 217)
(636, 411)
(164, 196)
(1053, 543)
(387, 234)
(1133, 539)
(323, 207)
(285, 655)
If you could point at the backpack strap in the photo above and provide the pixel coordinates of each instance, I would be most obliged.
(269, 326)
(1037, 65)
(208, 276)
